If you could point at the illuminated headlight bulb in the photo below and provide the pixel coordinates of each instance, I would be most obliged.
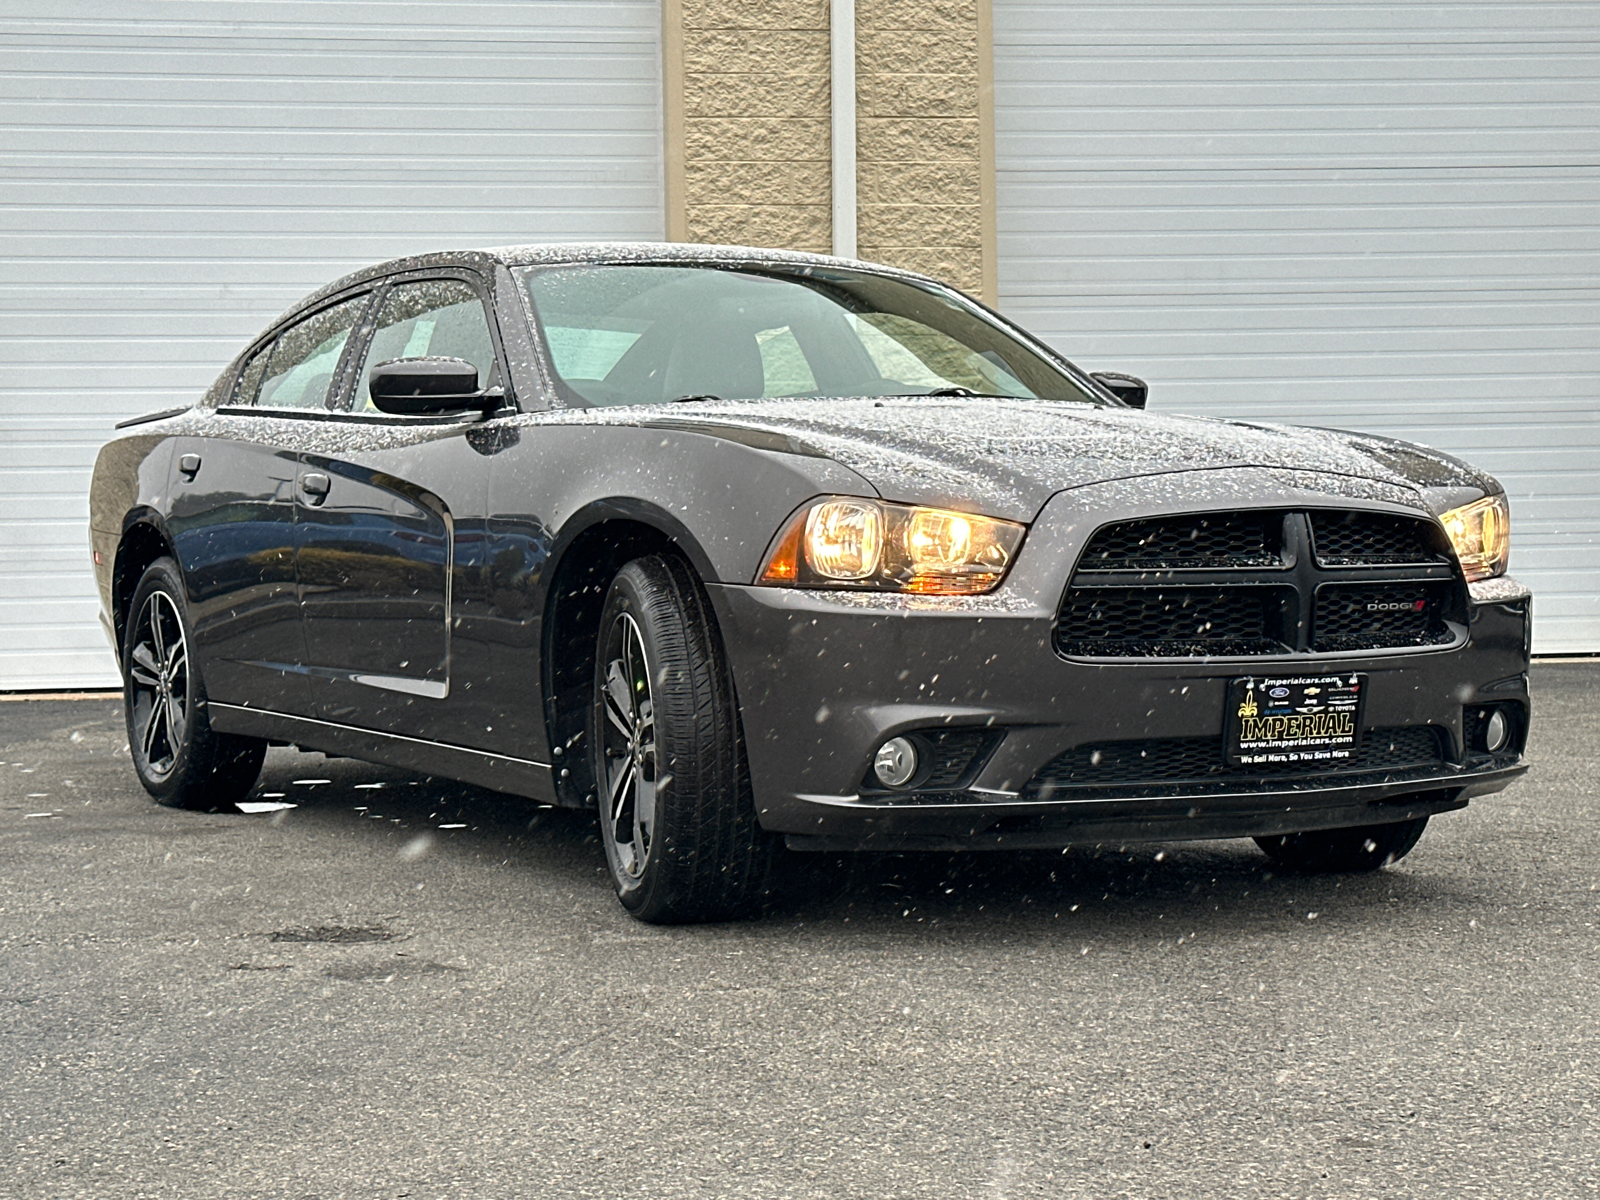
(844, 539)
(895, 763)
(937, 541)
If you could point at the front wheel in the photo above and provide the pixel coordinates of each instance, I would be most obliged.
(672, 789)
(177, 757)
(1362, 848)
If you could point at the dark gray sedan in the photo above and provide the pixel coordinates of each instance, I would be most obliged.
(745, 548)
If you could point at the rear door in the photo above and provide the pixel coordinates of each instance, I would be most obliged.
(234, 509)
(390, 523)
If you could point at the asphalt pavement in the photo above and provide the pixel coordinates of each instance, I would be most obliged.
(403, 988)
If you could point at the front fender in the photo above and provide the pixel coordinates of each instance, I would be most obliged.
(720, 499)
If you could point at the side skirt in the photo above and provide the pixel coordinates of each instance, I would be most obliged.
(518, 776)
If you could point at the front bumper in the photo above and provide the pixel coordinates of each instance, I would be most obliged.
(824, 678)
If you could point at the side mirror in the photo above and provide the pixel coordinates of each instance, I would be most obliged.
(427, 386)
(1130, 389)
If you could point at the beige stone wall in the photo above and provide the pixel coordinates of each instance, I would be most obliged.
(920, 137)
(756, 115)
(748, 130)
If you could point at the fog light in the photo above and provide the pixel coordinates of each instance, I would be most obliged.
(1495, 734)
(895, 763)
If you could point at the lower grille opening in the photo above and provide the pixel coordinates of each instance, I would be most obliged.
(1170, 762)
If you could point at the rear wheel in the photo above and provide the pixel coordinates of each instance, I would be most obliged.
(177, 757)
(673, 793)
(1363, 848)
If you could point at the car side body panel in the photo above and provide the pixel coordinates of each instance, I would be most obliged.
(231, 513)
(552, 480)
(128, 488)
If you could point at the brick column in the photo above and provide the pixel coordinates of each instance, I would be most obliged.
(754, 123)
(924, 157)
(747, 114)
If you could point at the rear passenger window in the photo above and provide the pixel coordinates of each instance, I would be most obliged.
(430, 318)
(299, 373)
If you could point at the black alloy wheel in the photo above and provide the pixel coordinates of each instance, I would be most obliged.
(1362, 848)
(672, 790)
(158, 684)
(177, 757)
(628, 747)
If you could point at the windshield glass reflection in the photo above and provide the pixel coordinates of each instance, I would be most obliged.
(621, 334)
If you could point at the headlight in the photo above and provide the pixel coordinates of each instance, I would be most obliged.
(858, 543)
(1481, 535)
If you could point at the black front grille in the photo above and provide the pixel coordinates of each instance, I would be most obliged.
(1205, 540)
(1171, 622)
(1273, 582)
(1355, 539)
(1170, 762)
(1364, 616)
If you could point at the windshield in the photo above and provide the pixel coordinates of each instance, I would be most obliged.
(650, 334)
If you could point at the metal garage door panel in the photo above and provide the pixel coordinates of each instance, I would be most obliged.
(1380, 217)
(173, 175)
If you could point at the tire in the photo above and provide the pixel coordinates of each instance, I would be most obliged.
(177, 757)
(672, 788)
(1362, 848)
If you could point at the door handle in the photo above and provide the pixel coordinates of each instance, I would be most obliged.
(315, 485)
(189, 467)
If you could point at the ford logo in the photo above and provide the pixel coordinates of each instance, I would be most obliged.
(1278, 693)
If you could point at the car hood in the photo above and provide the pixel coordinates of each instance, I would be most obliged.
(1007, 457)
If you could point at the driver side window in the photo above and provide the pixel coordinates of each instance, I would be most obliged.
(430, 318)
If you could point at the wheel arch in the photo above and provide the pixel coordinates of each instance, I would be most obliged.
(144, 539)
(594, 545)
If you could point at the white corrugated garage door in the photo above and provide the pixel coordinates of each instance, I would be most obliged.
(1376, 216)
(173, 174)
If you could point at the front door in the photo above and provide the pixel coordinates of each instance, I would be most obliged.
(380, 557)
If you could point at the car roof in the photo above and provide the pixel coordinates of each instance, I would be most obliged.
(561, 253)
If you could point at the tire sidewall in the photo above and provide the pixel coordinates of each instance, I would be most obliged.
(626, 596)
(162, 575)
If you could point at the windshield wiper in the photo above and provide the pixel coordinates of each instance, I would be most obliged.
(699, 396)
(958, 390)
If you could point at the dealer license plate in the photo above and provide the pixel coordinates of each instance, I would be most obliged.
(1312, 719)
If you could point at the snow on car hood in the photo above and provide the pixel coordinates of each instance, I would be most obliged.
(1007, 457)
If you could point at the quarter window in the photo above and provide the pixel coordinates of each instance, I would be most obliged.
(426, 319)
(249, 385)
(300, 372)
